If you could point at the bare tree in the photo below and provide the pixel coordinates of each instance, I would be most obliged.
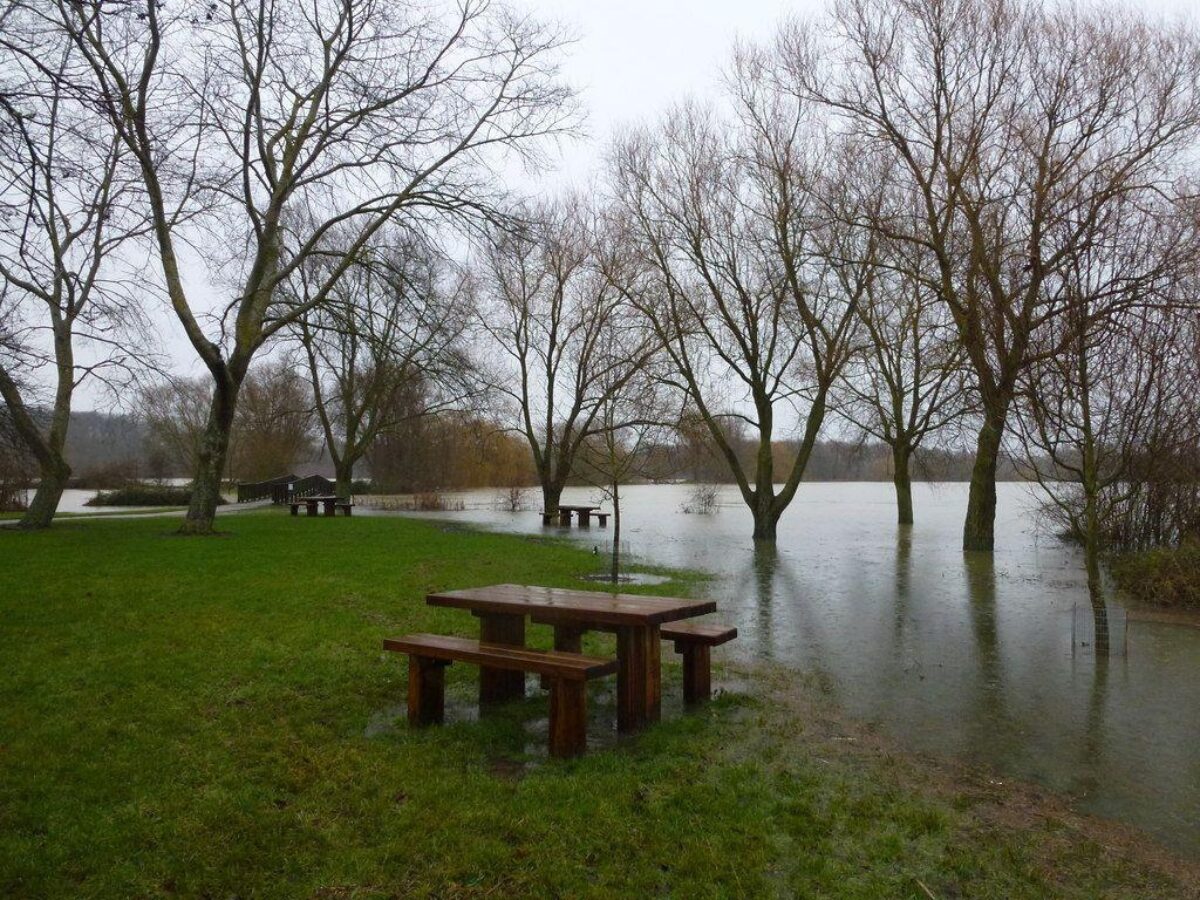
(65, 206)
(395, 319)
(273, 427)
(175, 412)
(745, 268)
(906, 384)
(1017, 127)
(635, 416)
(366, 110)
(565, 338)
(1115, 387)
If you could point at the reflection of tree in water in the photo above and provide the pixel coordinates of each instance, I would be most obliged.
(1092, 747)
(765, 580)
(991, 713)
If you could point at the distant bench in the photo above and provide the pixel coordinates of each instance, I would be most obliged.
(331, 504)
(694, 641)
(567, 673)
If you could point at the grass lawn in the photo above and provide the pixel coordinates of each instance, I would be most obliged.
(215, 717)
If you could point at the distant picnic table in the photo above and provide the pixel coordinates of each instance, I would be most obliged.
(584, 513)
(331, 502)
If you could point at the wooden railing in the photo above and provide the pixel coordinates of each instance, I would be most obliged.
(307, 486)
(249, 491)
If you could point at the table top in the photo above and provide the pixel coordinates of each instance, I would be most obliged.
(577, 508)
(308, 497)
(580, 607)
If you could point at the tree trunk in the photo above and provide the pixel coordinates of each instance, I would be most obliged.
(1091, 558)
(551, 495)
(343, 478)
(903, 482)
(616, 554)
(49, 491)
(980, 525)
(210, 461)
(765, 516)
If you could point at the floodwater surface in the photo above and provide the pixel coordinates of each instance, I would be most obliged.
(988, 657)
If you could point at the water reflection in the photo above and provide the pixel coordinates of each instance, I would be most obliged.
(969, 654)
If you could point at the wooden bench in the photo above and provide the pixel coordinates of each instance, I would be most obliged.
(345, 506)
(695, 640)
(568, 673)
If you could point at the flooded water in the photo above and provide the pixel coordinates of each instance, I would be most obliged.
(990, 658)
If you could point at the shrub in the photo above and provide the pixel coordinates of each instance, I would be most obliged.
(143, 495)
(702, 501)
(1167, 576)
(361, 486)
(512, 499)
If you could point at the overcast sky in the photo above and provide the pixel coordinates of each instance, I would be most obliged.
(634, 58)
(631, 60)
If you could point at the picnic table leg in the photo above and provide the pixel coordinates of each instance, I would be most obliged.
(639, 677)
(295, 509)
(568, 638)
(585, 519)
(426, 690)
(500, 685)
(568, 718)
(564, 517)
(310, 507)
(330, 507)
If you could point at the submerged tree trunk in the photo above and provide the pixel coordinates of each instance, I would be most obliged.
(1091, 558)
(210, 461)
(766, 516)
(902, 479)
(551, 495)
(980, 524)
(616, 554)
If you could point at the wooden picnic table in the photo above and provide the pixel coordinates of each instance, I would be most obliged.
(330, 501)
(502, 609)
(584, 514)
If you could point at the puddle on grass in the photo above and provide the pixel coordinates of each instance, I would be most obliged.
(643, 578)
(527, 750)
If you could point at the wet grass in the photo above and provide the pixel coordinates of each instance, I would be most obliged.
(215, 717)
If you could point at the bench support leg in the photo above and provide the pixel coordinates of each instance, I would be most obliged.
(564, 518)
(639, 677)
(426, 691)
(568, 718)
(501, 685)
(310, 509)
(697, 672)
(295, 510)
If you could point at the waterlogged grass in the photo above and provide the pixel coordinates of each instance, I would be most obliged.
(215, 717)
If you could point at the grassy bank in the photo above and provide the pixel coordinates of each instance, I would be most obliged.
(183, 716)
